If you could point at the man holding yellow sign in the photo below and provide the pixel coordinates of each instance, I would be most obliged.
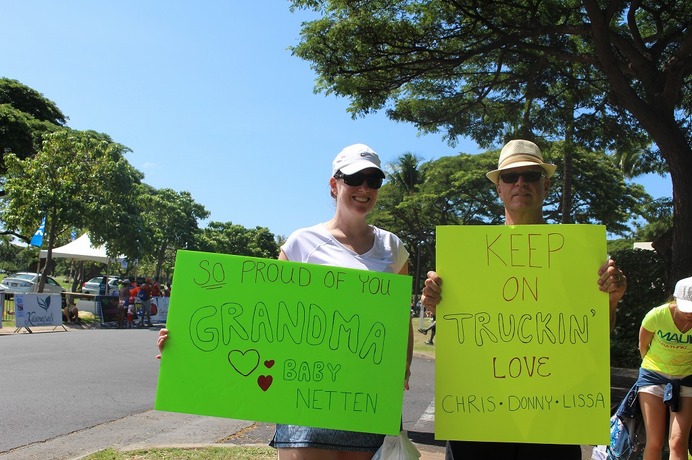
(523, 340)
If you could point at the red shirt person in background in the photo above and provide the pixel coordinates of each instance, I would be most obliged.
(156, 288)
(144, 295)
(134, 289)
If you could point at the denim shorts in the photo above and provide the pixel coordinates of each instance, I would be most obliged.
(288, 436)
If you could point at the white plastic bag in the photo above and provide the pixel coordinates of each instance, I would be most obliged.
(397, 448)
(599, 453)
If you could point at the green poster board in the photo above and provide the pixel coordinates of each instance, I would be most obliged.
(522, 350)
(286, 342)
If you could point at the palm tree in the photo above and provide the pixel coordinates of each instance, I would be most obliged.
(405, 173)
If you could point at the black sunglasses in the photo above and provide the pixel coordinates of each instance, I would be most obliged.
(529, 176)
(357, 179)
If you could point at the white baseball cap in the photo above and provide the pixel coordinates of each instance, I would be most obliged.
(355, 158)
(683, 295)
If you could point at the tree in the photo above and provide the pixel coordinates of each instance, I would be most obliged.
(229, 238)
(9, 255)
(485, 69)
(77, 179)
(25, 115)
(600, 194)
(405, 176)
(171, 222)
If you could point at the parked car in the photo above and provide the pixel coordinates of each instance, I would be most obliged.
(94, 285)
(25, 282)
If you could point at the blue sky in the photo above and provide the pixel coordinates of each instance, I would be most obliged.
(208, 98)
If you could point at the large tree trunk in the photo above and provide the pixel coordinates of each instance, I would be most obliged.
(674, 148)
(49, 253)
(567, 173)
(655, 109)
(678, 155)
(160, 258)
(682, 216)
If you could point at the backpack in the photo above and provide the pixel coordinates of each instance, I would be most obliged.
(627, 432)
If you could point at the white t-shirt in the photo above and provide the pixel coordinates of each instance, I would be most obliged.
(316, 245)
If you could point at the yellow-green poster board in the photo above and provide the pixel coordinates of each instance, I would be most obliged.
(286, 342)
(522, 350)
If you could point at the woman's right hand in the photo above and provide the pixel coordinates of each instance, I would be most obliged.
(161, 341)
(432, 292)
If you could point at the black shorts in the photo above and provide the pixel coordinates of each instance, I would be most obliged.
(468, 450)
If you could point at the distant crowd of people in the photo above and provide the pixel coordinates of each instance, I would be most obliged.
(134, 298)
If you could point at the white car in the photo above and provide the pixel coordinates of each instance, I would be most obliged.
(94, 286)
(25, 282)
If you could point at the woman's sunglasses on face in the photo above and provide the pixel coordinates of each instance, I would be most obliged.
(356, 180)
(513, 177)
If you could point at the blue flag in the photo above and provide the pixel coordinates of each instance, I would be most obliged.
(37, 239)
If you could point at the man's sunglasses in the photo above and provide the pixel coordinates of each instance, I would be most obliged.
(513, 177)
(357, 179)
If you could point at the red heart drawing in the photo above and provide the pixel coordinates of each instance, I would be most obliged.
(269, 363)
(264, 382)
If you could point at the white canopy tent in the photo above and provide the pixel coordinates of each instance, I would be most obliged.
(82, 249)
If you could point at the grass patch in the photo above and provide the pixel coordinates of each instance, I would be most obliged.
(211, 453)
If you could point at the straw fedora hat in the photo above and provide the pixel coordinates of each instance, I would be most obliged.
(517, 153)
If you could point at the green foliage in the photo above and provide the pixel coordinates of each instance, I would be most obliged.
(482, 69)
(600, 75)
(77, 179)
(15, 132)
(646, 289)
(659, 216)
(8, 255)
(405, 175)
(171, 222)
(600, 193)
(229, 238)
(620, 244)
(25, 116)
(30, 101)
(14, 258)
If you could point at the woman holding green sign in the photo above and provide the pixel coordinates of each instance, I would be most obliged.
(345, 241)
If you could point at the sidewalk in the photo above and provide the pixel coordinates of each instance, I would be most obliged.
(424, 455)
(259, 434)
(427, 452)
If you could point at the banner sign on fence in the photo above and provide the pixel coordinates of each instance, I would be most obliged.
(286, 342)
(38, 310)
(160, 306)
(522, 350)
(108, 311)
